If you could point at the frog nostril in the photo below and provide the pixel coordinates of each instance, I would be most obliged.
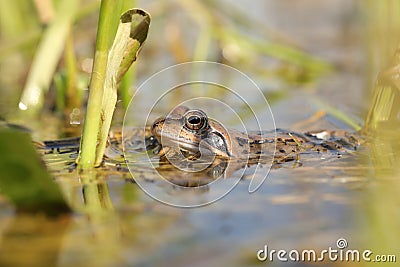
(157, 125)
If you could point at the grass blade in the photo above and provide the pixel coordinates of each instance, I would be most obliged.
(46, 58)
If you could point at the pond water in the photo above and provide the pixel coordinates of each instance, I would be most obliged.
(307, 207)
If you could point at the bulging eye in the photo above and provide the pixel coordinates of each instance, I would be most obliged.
(195, 120)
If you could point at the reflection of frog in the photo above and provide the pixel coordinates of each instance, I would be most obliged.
(190, 130)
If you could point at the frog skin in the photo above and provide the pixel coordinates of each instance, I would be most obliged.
(190, 130)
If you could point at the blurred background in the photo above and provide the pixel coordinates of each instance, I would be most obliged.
(291, 50)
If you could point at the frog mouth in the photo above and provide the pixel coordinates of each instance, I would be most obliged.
(192, 146)
(182, 144)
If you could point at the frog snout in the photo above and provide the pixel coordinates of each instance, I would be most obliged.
(157, 126)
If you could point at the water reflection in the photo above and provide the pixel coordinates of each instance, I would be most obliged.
(380, 209)
(116, 224)
(33, 240)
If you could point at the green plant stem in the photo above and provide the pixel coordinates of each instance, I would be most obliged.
(46, 58)
(131, 34)
(109, 11)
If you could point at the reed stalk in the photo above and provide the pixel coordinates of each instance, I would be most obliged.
(113, 58)
(107, 26)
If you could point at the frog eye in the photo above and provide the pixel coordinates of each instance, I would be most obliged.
(195, 120)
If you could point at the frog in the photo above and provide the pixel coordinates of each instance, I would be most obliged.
(192, 132)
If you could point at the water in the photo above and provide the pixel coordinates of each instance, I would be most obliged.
(310, 207)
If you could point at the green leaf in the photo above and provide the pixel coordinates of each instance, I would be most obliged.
(109, 67)
(23, 176)
(131, 34)
(138, 21)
